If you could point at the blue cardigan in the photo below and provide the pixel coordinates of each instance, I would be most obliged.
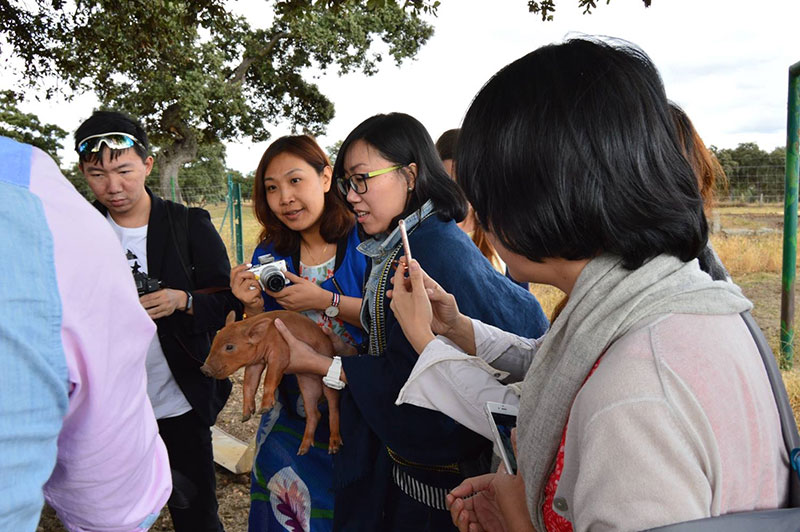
(347, 280)
(372, 423)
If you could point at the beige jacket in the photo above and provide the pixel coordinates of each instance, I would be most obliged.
(663, 433)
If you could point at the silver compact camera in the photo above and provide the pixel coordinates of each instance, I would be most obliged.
(270, 273)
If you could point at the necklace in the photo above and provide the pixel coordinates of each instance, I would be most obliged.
(316, 261)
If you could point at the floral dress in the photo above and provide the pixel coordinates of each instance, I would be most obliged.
(291, 492)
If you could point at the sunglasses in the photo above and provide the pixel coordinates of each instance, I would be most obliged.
(358, 182)
(114, 140)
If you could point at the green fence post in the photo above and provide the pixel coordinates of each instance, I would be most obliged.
(172, 186)
(790, 219)
(229, 200)
(237, 216)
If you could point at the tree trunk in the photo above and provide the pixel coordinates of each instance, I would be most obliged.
(168, 173)
(171, 158)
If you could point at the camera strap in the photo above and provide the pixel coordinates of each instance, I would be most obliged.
(180, 236)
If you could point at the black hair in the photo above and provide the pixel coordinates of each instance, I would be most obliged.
(107, 122)
(402, 139)
(446, 144)
(571, 151)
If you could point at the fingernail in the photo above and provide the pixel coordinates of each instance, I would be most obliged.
(414, 267)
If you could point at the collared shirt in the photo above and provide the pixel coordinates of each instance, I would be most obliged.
(450, 381)
(379, 249)
(77, 427)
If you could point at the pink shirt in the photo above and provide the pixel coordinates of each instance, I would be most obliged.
(112, 471)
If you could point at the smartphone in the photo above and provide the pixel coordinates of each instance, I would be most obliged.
(404, 235)
(503, 418)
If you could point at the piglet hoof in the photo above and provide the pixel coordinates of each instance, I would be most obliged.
(304, 447)
(334, 444)
(264, 409)
(246, 417)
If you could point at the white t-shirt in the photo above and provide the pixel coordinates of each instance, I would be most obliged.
(162, 389)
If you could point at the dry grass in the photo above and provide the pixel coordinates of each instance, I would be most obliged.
(548, 296)
(750, 254)
(792, 381)
(250, 230)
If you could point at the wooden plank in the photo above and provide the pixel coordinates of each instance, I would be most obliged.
(232, 453)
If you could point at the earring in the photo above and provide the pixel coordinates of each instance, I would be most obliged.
(410, 189)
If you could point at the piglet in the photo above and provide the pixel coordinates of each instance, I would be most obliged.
(255, 343)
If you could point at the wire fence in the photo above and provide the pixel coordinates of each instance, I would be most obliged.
(744, 184)
(753, 184)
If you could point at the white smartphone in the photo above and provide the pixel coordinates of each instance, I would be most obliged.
(503, 418)
(404, 235)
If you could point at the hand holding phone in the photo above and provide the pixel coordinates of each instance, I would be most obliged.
(502, 418)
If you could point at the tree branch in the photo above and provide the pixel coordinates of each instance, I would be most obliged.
(241, 70)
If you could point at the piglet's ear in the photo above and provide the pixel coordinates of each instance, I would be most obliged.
(258, 330)
(230, 318)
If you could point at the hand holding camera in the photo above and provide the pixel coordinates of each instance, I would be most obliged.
(270, 273)
(163, 302)
(158, 301)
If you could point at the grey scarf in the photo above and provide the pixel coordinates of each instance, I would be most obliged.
(605, 303)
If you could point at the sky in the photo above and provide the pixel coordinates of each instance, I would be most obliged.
(724, 61)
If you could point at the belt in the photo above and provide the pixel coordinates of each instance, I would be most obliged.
(430, 496)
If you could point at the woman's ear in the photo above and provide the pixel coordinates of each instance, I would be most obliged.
(411, 176)
(327, 178)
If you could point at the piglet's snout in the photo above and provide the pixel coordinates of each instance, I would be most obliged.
(208, 371)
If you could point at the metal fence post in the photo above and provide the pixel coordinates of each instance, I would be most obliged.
(237, 217)
(790, 219)
(229, 200)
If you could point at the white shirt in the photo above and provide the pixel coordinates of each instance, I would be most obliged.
(442, 381)
(162, 389)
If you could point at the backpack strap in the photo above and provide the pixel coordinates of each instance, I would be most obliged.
(788, 426)
(782, 520)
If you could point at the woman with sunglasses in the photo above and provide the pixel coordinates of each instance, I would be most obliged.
(306, 223)
(398, 463)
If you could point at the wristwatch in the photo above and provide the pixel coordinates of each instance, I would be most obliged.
(333, 378)
(188, 301)
(333, 310)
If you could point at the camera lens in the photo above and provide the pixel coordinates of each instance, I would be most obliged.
(275, 282)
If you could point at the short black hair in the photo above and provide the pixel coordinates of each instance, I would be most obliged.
(446, 144)
(571, 151)
(107, 122)
(402, 139)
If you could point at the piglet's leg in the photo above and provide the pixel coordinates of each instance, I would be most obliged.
(252, 375)
(311, 390)
(335, 442)
(277, 361)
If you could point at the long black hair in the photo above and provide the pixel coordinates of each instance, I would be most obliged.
(571, 151)
(402, 139)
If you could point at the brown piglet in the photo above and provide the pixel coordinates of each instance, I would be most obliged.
(256, 344)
